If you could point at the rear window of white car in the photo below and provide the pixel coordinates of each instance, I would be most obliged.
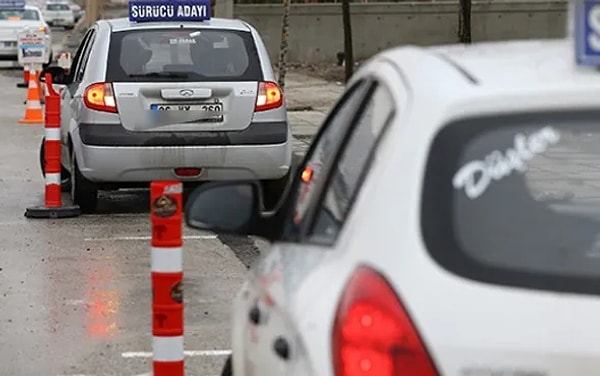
(59, 7)
(183, 55)
(515, 200)
(19, 14)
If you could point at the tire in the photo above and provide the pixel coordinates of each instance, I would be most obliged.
(272, 191)
(227, 368)
(83, 192)
(49, 63)
(65, 176)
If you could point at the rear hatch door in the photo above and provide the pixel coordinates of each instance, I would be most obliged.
(57, 12)
(184, 79)
(13, 21)
(511, 211)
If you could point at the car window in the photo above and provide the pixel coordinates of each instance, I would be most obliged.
(352, 166)
(55, 7)
(513, 200)
(314, 168)
(79, 54)
(85, 57)
(19, 14)
(155, 55)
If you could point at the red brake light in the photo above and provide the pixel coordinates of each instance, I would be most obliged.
(373, 334)
(269, 96)
(100, 97)
(185, 172)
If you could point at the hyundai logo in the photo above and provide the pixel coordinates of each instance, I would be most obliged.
(186, 92)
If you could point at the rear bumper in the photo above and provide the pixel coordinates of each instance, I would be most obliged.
(119, 156)
(61, 22)
(12, 53)
(115, 135)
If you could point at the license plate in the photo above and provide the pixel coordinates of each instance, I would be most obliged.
(207, 107)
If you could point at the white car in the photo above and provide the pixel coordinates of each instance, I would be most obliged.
(59, 13)
(76, 8)
(15, 17)
(446, 221)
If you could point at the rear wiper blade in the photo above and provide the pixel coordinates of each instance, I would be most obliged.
(161, 75)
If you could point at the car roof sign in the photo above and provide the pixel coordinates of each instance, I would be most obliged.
(12, 3)
(169, 10)
(586, 30)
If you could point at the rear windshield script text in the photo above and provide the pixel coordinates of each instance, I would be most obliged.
(475, 176)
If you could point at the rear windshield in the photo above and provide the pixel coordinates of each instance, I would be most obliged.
(158, 55)
(515, 200)
(57, 7)
(19, 14)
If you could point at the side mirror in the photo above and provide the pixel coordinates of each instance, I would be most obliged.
(59, 76)
(226, 207)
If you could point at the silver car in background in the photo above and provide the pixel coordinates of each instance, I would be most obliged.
(186, 101)
(59, 13)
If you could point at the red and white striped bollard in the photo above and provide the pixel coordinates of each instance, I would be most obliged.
(53, 206)
(53, 194)
(167, 278)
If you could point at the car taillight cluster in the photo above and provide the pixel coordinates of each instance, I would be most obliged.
(269, 96)
(100, 97)
(373, 334)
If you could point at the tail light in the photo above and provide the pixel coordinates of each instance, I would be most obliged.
(187, 172)
(100, 97)
(269, 96)
(373, 334)
(43, 29)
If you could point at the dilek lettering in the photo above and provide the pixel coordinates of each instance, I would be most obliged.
(168, 11)
(475, 176)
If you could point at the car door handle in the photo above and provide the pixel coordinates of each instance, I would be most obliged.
(254, 315)
(282, 348)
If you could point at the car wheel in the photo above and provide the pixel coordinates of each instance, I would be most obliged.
(273, 189)
(227, 368)
(65, 176)
(83, 192)
(44, 66)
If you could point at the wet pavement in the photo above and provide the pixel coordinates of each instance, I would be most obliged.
(75, 293)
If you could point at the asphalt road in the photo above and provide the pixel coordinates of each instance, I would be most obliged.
(76, 292)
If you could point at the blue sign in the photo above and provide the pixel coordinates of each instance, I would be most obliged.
(12, 3)
(587, 32)
(169, 10)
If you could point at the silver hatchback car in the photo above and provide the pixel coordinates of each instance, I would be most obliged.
(193, 101)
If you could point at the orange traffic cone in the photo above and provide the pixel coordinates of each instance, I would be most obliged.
(33, 106)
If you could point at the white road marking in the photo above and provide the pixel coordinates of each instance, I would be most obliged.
(144, 374)
(147, 237)
(118, 215)
(150, 374)
(142, 354)
(75, 302)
